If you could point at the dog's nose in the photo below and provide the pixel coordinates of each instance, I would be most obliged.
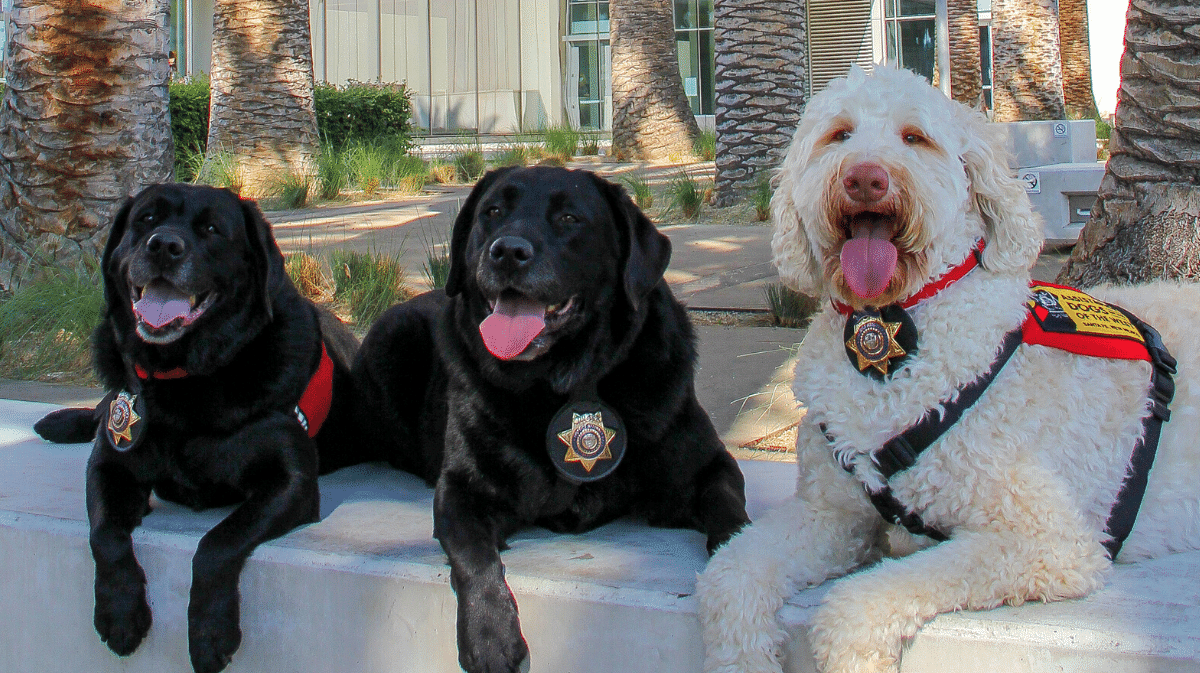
(166, 246)
(511, 252)
(866, 183)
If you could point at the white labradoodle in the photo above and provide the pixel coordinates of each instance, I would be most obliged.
(887, 187)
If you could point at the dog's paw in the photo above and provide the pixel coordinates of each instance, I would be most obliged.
(122, 616)
(490, 640)
(213, 632)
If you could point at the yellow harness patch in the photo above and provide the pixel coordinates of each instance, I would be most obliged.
(1068, 311)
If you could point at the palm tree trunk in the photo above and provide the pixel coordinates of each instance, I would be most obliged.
(1027, 76)
(652, 119)
(1076, 58)
(1146, 221)
(966, 78)
(262, 114)
(84, 124)
(761, 87)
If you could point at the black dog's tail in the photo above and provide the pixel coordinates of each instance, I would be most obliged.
(68, 426)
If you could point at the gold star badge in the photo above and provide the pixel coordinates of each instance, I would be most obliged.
(122, 419)
(874, 343)
(587, 440)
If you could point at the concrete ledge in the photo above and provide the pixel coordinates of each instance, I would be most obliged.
(366, 589)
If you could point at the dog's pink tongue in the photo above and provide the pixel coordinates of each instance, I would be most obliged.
(161, 303)
(512, 326)
(869, 260)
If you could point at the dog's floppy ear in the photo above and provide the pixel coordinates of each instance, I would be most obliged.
(462, 230)
(116, 231)
(645, 253)
(791, 249)
(1013, 231)
(268, 267)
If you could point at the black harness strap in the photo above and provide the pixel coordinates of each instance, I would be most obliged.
(1133, 488)
(901, 452)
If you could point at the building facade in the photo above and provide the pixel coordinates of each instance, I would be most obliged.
(512, 66)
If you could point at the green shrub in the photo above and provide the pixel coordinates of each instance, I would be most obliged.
(469, 165)
(640, 189)
(362, 111)
(788, 307)
(45, 325)
(292, 190)
(436, 268)
(332, 174)
(705, 145)
(358, 112)
(189, 123)
(515, 154)
(409, 173)
(687, 195)
(222, 170)
(590, 145)
(368, 283)
(761, 198)
(561, 142)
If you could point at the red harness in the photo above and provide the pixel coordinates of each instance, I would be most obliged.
(313, 407)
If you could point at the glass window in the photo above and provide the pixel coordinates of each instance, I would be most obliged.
(694, 42)
(587, 17)
(910, 35)
(985, 63)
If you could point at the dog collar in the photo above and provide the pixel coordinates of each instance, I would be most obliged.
(929, 290)
(143, 374)
(311, 411)
(878, 341)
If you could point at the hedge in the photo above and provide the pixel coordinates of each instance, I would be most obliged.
(358, 111)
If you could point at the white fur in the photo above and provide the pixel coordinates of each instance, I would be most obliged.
(1023, 483)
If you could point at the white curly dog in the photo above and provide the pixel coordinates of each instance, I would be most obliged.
(887, 188)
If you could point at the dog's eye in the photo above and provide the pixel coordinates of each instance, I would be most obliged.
(567, 218)
(493, 211)
(840, 136)
(912, 138)
(146, 218)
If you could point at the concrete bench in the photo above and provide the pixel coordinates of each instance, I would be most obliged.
(366, 589)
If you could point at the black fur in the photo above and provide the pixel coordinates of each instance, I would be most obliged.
(222, 435)
(443, 407)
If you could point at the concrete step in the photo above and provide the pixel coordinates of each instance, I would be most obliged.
(366, 589)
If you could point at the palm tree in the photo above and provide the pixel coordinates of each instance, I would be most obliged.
(84, 124)
(1146, 221)
(761, 87)
(261, 115)
(1076, 58)
(1027, 73)
(652, 119)
(966, 78)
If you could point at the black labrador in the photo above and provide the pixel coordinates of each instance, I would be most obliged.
(224, 386)
(552, 385)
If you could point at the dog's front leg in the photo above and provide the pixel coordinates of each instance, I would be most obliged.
(866, 617)
(828, 528)
(277, 467)
(116, 503)
(489, 632)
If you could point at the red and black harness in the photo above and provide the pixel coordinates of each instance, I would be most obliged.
(126, 411)
(1059, 317)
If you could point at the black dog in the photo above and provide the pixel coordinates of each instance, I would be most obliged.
(558, 326)
(219, 376)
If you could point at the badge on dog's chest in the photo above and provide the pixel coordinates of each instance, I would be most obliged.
(125, 421)
(586, 440)
(877, 342)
